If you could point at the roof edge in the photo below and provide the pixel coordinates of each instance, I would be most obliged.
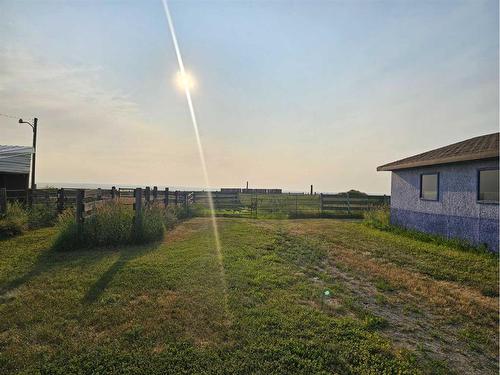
(447, 160)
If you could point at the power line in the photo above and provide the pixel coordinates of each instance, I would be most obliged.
(15, 117)
(9, 116)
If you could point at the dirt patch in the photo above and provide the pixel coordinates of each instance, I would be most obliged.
(416, 307)
(443, 295)
(419, 330)
(167, 299)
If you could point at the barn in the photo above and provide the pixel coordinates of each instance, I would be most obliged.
(15, 167)
(450, 191)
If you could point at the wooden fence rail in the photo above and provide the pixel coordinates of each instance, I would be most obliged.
(350, 204)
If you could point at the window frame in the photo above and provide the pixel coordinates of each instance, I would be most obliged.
(478, 186)
(438, 182)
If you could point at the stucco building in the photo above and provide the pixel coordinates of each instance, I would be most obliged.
(450, 191)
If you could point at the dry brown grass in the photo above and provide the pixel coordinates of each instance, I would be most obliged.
(444, 309)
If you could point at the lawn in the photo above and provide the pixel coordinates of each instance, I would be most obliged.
(396, 305)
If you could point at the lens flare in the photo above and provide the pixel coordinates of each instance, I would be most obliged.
(185, 84)
(185, 81)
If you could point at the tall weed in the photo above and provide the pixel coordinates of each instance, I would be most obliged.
(116, 224)
(14, 221)
(379, 218)
(42, 215)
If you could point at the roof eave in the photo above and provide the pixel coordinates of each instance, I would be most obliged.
(453, 159)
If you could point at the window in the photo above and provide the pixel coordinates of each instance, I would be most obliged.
(429, 186)
(488, 185)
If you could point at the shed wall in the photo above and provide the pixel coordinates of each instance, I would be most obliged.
(456, 214)
(15, 159)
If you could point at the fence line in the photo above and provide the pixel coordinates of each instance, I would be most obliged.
(87, 201)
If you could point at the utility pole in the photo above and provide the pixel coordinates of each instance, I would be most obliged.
(33, 181)
(33, 159)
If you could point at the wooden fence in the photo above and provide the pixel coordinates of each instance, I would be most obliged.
(87, 201)
(350, 204)
(291, 205)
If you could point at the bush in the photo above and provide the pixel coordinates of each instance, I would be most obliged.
(150, 226)
(42, 215)
(171, 217)
(378, 218)
(67, 237)
(14, 221)
(115, 224)
(110, 225)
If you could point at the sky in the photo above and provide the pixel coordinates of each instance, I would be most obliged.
(288, 93)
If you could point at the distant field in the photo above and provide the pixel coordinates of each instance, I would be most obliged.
(397, 305)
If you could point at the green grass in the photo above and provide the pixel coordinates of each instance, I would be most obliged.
(379, 218)
(169, 307)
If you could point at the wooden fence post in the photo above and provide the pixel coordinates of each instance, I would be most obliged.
(138, 204)
(176, 197)
(155, 193)
(30, 197)
(348, 204)
(320, 204)
(165, 201)
(3, 201)
(147, 195)
(113, 192)
(80, 195)
(60, 200)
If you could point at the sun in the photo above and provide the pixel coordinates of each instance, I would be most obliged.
(185, 80)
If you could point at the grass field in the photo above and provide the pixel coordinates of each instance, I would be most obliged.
(397, 305)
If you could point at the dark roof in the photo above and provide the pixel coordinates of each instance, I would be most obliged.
(482, 147)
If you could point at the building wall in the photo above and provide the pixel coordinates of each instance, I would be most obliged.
(14, 181)
(15, 159)
(456, 213)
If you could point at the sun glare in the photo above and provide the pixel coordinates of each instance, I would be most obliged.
(185, 80)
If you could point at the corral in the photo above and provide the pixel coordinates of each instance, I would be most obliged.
(234, 204)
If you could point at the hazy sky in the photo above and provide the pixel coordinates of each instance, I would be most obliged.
(288, 93)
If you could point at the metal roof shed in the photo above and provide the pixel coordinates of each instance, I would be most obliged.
(15, 166)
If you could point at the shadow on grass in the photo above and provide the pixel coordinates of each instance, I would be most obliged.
(126, 255)
(46, 261)
(39, 268)
(49, 259)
